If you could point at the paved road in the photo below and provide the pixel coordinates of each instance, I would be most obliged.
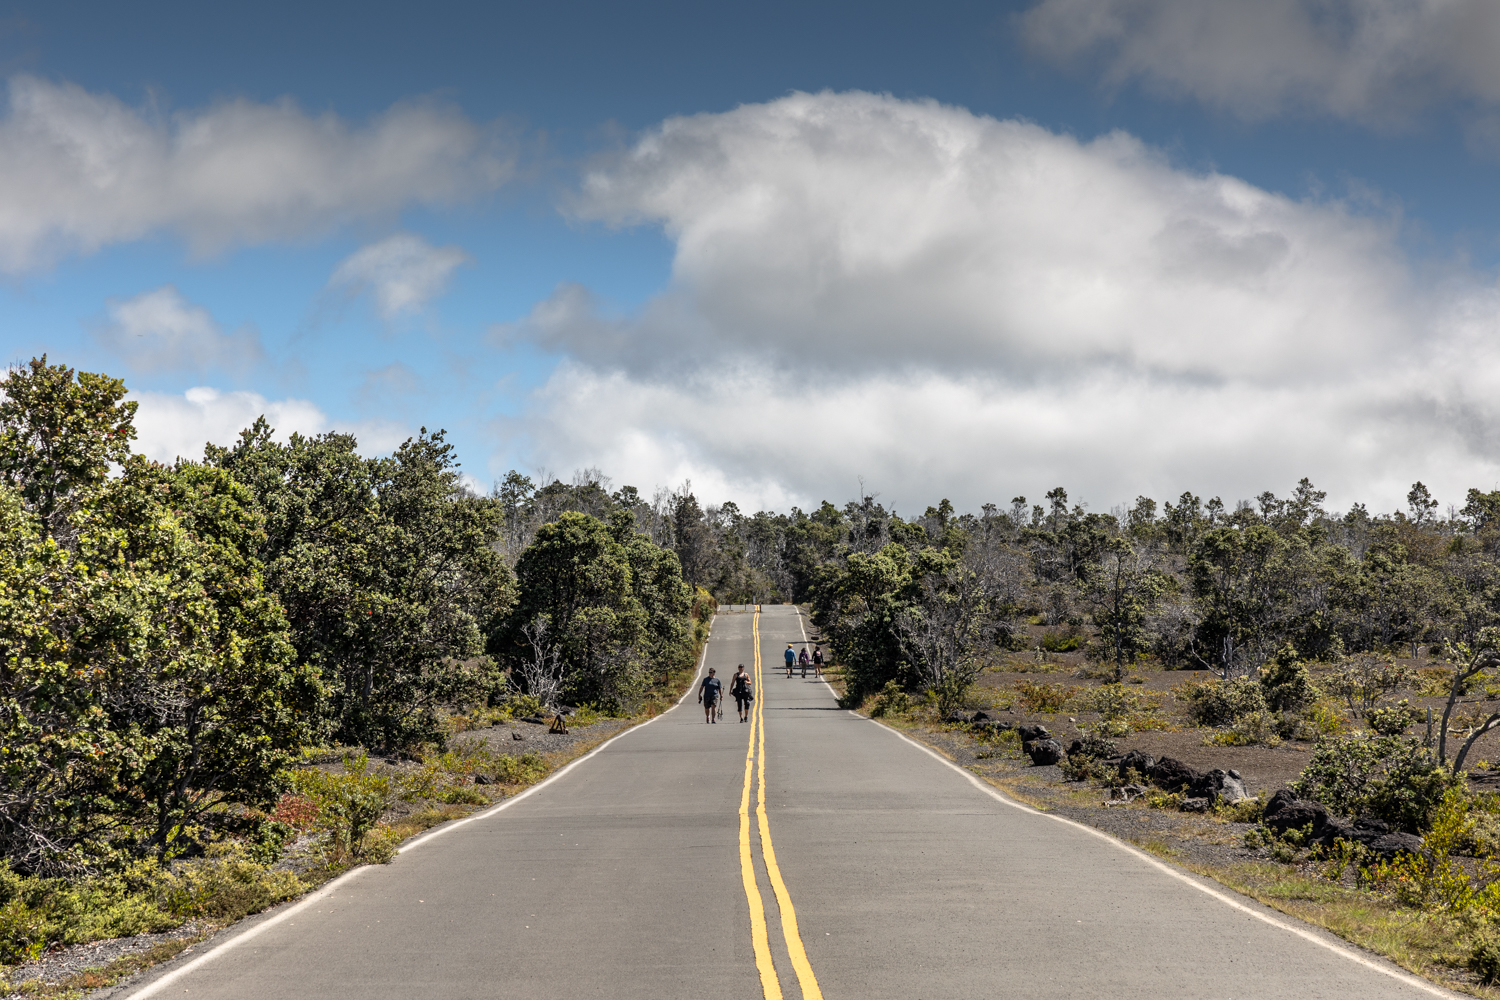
(640, 872)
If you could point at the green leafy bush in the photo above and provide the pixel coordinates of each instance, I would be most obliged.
(38, 913)
(891, 700)
(1392, 720)
(1385, 777)
(1061, 642)
(1219, 703)
(349, 804)
(1285, 683)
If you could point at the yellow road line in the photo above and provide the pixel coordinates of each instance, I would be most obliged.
(789, 930)
(759, 938)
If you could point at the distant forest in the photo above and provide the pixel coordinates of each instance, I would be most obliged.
(1188, 583)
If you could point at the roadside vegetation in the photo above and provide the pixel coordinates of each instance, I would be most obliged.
(225, 681)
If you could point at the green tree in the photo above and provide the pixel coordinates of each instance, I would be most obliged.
(59, 432)
(389, 572)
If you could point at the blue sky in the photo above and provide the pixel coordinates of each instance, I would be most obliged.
(967, 250)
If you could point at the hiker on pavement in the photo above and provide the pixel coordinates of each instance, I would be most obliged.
(708, 694)
(791, 659)
(818, 662)
(803, 661)
(739, 686)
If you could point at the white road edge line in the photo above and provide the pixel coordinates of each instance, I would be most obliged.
(332, 887)
(1306, 935)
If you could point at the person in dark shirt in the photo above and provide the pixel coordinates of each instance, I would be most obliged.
(739, 686)
(708, 695)
(818, 662)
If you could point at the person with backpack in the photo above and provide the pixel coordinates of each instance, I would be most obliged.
(803, 661)
(739, 686)
(708, 694)
(818, 662)
(791, 659)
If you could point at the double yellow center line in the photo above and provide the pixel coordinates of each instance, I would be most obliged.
(759, 936)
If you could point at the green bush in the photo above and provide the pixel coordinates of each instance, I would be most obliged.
(1285, 683)
(1484, 958)
(38, 913)
(1219, 703)
(1060, 642)
(892, 700)
(1385, 777)
(349, 804)
(1392, 720)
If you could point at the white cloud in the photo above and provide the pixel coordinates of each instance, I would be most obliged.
(81, 170)
(162, 330)
(401, 272)
(952, 305)
(170, 426)
(1372, 61)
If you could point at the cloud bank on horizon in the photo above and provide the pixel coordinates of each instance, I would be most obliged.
(945, 303)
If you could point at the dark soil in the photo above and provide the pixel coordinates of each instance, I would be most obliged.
(1192, 838)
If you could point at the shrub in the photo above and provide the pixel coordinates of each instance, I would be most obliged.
(38, 913)
(1243, 811)
(1392, 720)
(1258, 728)
(349, 804)
(1285, 683)
(1060, 642)
(1484, 959)
(1388, 778)
(1219, 703)
(891, 700)
(1045, 699)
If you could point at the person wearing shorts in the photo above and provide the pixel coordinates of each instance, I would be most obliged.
(803, 661)
(739, 686)
(818, 662)
(791, 659)
(708, 695)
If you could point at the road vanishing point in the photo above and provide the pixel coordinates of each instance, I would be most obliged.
(808, 853)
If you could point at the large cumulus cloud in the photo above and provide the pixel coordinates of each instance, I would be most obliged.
(950, 304)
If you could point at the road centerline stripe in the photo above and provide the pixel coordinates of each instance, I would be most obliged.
(789, 930)
(760, 938)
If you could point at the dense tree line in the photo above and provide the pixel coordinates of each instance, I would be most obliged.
(1192, 583)
(171, 636)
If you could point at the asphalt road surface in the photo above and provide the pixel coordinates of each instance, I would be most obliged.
(641, 872)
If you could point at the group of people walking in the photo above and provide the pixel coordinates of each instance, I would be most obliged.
(711, 690)
(794, 658)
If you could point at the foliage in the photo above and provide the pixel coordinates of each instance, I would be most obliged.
(388, 573)
(38, 913)
(349, 804)
(148, 686)
(1286, 684)
(890, 700)
(1364, 680)
(598, 603)
(1219, 703)
(1257, 728)
(1043, 698)
(1385, 777)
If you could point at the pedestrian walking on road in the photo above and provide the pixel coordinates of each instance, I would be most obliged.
(739, 686)
(708, 694)
(818, 662)
(791, 660)
(803, 660)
